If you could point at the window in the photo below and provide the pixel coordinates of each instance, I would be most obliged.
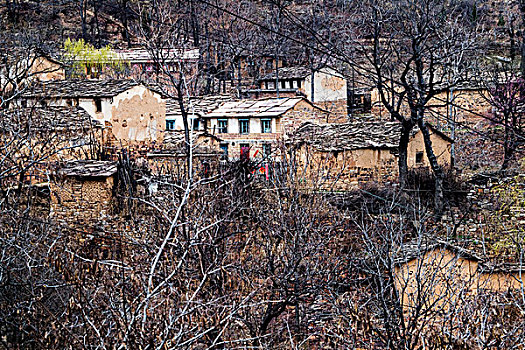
(222, 126)
(266, 125)
(98, 105)
(245, 150)
(196, 124)
(224, 149)
(419, 157)
(170, 124)
(283, 84)
(244, 126)
(24, 103)
(299, 83)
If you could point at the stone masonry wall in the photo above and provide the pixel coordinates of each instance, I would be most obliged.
(81, 201)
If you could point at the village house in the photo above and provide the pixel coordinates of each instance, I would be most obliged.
(343, 156)
(325, 87)
(255, 127)
(441, 273)
(33, 137)
(196, 107)
(82, 192)
(132, 111)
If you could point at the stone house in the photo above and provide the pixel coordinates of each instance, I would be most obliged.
(196, 107)
(255, 127)
(446, 272)
(82, 192)
(343, 156)
(325, 87)
(133, 112)
(32, 138)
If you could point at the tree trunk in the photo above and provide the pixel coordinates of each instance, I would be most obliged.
(406, 128)
(436, 169)
(522, 10)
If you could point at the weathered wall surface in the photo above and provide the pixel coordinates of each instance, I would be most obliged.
(440, 146)
(328, 86)
(81, 201)
(138, 114)
(345, 170)
(348, 169)
(45, 70)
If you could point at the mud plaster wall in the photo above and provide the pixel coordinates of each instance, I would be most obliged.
(346, 169)
(446, 276)
(302, 112)
(81, 201)
(45, 70)
(440, 146)
(138, 114)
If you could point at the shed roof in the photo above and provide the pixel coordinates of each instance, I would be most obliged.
(270, 107)
(360, 134)
(48, 118)
(80, 88)
(88, 168)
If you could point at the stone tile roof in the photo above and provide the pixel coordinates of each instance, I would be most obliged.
(48, 118)
(201, 104)
(271, 107)
(349, 136)
(166, 55)
(88, 168)
(80, 88)
(359, 134)
(289, 73)
(413, 250)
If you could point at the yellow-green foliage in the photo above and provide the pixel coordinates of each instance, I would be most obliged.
(507, 219)
(84, 58)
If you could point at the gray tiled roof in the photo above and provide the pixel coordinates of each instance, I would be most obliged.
(416, 249)
(349, 136)
(48, 118)
(88, 168)
(201, 104)
(80, 88)
(271, 107)
(289, 73)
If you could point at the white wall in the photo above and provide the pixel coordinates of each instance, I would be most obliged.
(328, 86)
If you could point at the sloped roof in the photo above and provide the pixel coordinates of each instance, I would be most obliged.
(271, 107)
(349, 136)
(416, 249)
(88, 168)
(166, 55)
(48, 118)
(289, 73)
(354, 135)
(80, 88)
(201, 104)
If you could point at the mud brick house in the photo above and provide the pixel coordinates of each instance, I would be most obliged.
(133, 112)
(82, 192)
(343, 156)
(196, 107)
(255, 127)
(31, 138)
(446, 272)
